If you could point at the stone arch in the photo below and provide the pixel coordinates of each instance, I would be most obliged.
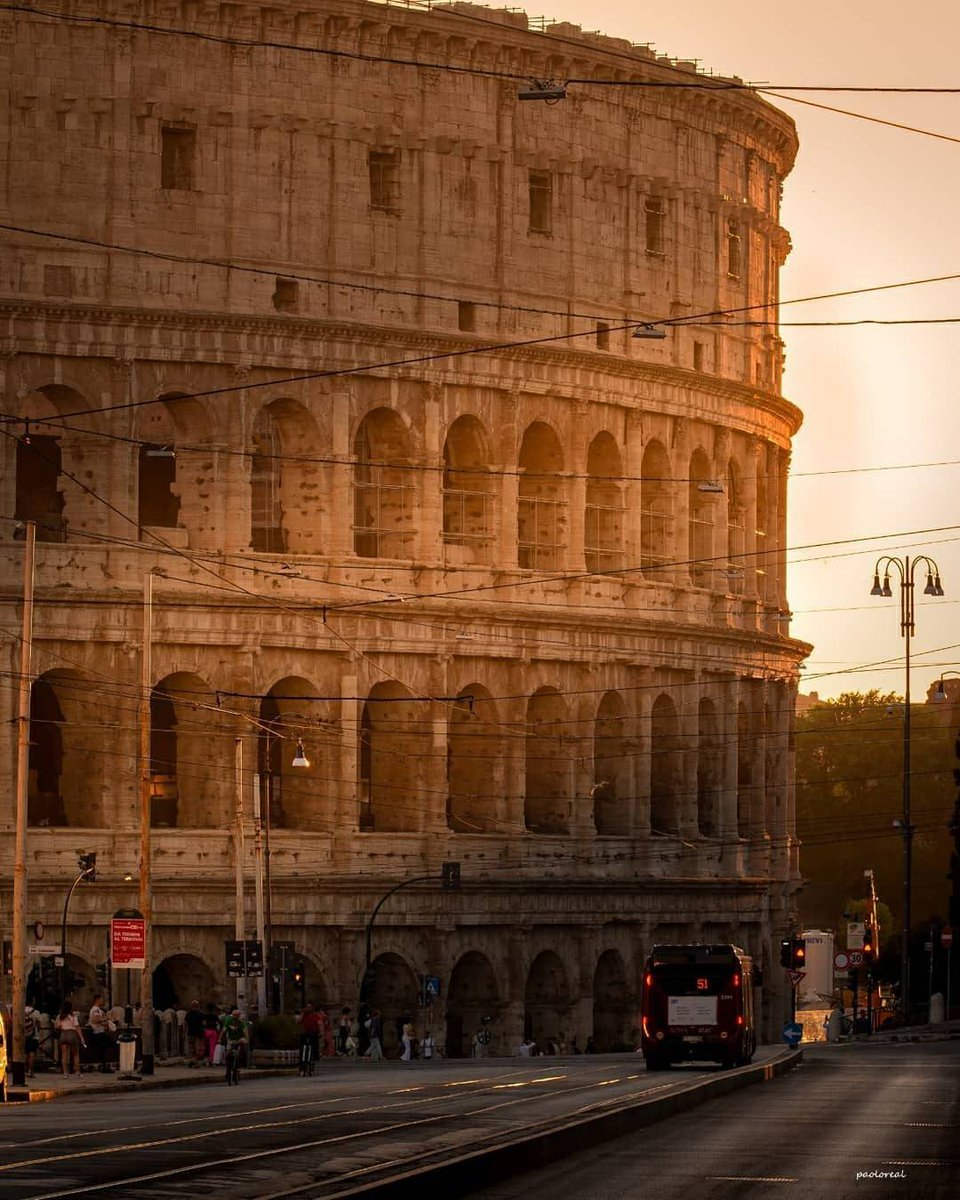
(542, 502)
(709, 768)
(395, 741)
(178, 474)
(612, 1008)
(292, 797)
(284, 481)
(472, 995)
(603, 514)
(546, 806)
(762, 526)
(547, 1004)
(665, 766)
(384, 488)
(611, 767)
(475, 754)
(468, 492)
(656, 510)
(69, 729)
(395, 993)
(701, 514)
(188, 754)
(181, 978)
(47, 460)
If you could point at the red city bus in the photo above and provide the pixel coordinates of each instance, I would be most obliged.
(697, 1003)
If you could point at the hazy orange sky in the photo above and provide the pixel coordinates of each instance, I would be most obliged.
(865, 205)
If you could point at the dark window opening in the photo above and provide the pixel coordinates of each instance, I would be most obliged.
(178, 148)
(164, 792)
(37, 496)
(270, 764)
(655, 217)
(733, 250)
(541, 202)
(603, 335)
(698, 356)
(266, 506)
(466, 316)
(365, 815)
(57, 281)
(384, 179)
(158, 506)
(286, 295)
(45, 802)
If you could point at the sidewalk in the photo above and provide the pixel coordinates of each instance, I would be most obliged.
(174, 1072)
(945, 1031)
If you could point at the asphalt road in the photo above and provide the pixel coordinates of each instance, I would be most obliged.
(857, 1120)
(270, 1137)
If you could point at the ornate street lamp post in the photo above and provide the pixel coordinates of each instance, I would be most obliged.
(906, 568)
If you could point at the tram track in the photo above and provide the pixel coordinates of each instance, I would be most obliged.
(266, 1150)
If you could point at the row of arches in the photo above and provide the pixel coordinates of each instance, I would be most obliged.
(613, 764)
(571, 510)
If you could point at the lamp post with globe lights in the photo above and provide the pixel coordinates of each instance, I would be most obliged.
(906, 569)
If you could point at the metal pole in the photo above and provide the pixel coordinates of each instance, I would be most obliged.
(906, 625)
(258, 885)
(18, 1069)
(146, 882)
(240, 920)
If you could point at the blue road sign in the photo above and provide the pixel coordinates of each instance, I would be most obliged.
(792, 1032)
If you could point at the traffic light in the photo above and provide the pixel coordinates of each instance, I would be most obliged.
(299, 974)
(103, 973)
(88, 866)
(868, 941)
(450, 876)
(798, 953)
(786, 952)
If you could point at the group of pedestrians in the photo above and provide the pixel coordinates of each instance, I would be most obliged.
(206, 1031)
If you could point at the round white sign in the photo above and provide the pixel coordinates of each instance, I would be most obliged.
(841, 960)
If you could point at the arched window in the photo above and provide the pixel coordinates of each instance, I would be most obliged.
(709, 769)
(187, 757)
(475, 751)
(702, 506)
(665, 766)
(158, 502)
(656, 511)
(266, 507)
(467, 493)
(611, 768)
(547, 801)
(736, 529)
(745, 781)
(542, 501)
(38, 497)
(762, 518)
(383, 488)
(603, 517)
(394, 745)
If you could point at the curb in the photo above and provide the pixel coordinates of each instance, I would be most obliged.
(484, 1168)
(43, 1095)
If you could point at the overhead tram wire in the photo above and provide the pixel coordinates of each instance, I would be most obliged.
(490, 348)
(702, 83)
(715, 83)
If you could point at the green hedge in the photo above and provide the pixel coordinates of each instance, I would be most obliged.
(278, 1032)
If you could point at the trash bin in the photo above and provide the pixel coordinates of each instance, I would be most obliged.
(127, 1042)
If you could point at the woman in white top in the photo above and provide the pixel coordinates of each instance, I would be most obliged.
(71, 1039)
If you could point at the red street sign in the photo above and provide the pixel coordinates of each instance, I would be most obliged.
(128, 942)
(946, 937)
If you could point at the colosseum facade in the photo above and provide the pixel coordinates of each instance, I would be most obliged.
(320, 386)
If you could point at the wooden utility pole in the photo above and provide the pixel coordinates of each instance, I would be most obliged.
(18, 998)
(146, 882)
(240, 919)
